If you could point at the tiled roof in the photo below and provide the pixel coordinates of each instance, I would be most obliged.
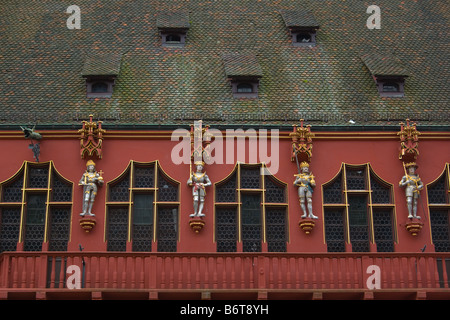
(241, 65)
(299, 18)
(42, 62)
(102, 64)
(384, 65)
(173, 20)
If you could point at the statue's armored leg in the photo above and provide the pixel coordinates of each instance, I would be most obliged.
(302, 205)
(415, 208)
(409, 204)
(85, 204)
(195, 208)
(311, 215)
(91, 203)
(200, 209)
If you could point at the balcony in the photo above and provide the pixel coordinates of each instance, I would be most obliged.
(119, 275)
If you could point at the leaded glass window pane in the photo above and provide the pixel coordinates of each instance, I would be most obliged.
(59, 229)
(226, 192)
(9, 228)
(117, 228)
(226, 229)
(332, 193)
(380, 193)
(440, 229)
(167, 191)
(358, 223)
(334, 229)
(274, 191)
(382, 225)
(61, 190)
(35, 222)
(437, 193)
(356, 179)
(250, 178)
(144, 177)
(12, 192)
(276, 229)
(38, 177)
(251, 222)
(167, 229)
(142, 222)
(119, 191)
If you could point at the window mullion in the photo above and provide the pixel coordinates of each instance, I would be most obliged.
(22, 209)
(130, 202)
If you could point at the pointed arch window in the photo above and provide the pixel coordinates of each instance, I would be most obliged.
(250, 211)
(35, 209)
(142, 209)
(358, 210)
(439, 206)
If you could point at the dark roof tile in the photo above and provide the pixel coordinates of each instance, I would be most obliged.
(241, 65)
(101, 64)
(299, 18)
(42, 62)
(384, 65)
(173, 20)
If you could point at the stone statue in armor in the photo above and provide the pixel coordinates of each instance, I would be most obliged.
(413, 185)
(198, 181)
(305, 183)
(89, 181)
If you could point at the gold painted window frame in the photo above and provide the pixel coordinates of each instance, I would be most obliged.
(237, 170)
(129, 170)
(25, 169)
(446, 172)
(368, 171)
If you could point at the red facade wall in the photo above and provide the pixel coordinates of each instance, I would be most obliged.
(329, 152)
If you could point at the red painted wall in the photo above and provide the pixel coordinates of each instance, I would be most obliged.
(328, 155)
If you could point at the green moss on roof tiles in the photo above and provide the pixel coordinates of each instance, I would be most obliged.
(42, 62)
(172, 20)
(384, 65)
(102, 64)
(299, 18)
(241, 65)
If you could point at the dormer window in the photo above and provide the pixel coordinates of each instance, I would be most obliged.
(244, 88)
(99, 87)
(173, 38)
(390, 88)
(100, 72)
(173, 28)
(243, 72)
(304, 37)
(302, 27)
(388, 73)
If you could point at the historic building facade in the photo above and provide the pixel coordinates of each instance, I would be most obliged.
(215, 150)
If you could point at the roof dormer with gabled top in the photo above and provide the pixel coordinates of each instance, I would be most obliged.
(173, 27)
(302, 26)
(243, 71)
(388, 73)
(100, 71)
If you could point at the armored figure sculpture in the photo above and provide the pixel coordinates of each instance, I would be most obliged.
(413, 186)
(305, 182)
(89, 181)
(198, 181)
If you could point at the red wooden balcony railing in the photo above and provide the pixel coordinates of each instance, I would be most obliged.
(166, 271)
